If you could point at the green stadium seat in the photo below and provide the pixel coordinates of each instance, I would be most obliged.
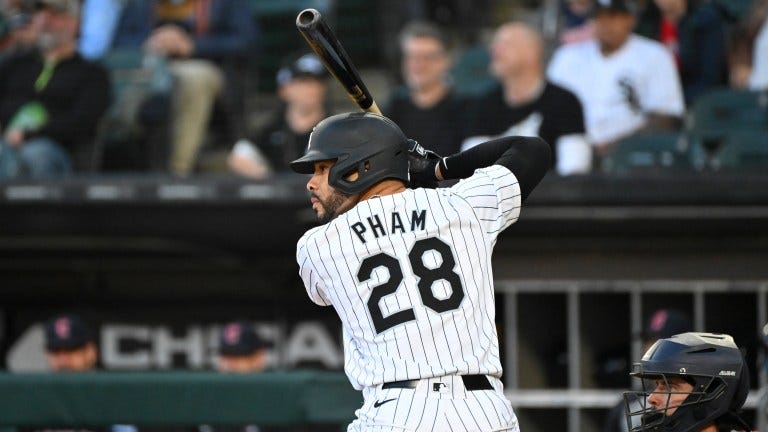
(727, 109)
(279, 37)
(718, 114)
(470, 71)
(133, 133)
(648, 152)
(271, 7)
(743, 150)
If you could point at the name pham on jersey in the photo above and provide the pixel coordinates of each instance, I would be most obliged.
(376, 224)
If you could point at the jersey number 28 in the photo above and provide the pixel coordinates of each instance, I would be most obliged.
(427, 276)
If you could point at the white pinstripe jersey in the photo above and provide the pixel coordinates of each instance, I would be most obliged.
(410, 276)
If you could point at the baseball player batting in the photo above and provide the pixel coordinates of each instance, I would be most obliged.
(408, 270)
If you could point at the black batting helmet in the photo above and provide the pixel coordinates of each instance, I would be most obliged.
(710, 362)
(366, 143)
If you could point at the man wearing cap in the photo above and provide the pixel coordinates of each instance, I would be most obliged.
(241, 350)
(626, 82)
(69, 344)
(51, 99)
(663, 324)
(302, 87)
(70, 347)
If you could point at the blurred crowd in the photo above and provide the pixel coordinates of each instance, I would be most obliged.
(148, 85)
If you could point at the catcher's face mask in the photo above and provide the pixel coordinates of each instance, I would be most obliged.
(663, 399)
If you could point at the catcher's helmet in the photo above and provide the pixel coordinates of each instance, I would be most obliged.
(710, 362)
(370, 144)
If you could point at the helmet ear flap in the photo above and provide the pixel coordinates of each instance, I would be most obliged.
(699, 412)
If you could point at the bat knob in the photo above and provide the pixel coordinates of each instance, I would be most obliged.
(307, 17)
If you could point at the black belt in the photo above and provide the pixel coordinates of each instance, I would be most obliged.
(471, 383)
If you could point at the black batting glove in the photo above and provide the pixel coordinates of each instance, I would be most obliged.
(421, 166)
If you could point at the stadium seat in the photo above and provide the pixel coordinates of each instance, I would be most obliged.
(133, 134)
(648, 152)
(743, 150)
(720, 111)
(726, 109)
(470, 71)
(718, 114)
(279, 37)
(265, 7)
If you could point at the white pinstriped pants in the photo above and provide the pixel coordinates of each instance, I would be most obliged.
(436, 404)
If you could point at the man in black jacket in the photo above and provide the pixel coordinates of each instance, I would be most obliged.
(51, 99)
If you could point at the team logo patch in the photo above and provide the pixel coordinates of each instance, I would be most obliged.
(232, 334)
(63, 328)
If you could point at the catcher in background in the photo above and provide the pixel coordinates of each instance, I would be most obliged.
(692, 382)
(408, 270)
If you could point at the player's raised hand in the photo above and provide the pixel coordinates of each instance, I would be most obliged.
(421, 166)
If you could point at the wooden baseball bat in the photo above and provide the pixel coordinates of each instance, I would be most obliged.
(327, 46)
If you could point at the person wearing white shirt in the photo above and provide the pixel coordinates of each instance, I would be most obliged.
(625, 82)
(758, 79)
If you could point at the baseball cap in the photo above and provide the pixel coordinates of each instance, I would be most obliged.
(66, 6)
(622, 6)
(66, 332)
(665, 323)
(239, 338)
(305, 66)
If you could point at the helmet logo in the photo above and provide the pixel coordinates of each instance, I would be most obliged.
(309, 142)
(727, 373)
(682, 370)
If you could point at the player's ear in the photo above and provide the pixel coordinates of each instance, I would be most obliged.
(353, 174)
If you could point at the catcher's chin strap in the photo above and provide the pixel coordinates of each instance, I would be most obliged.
(733, 419)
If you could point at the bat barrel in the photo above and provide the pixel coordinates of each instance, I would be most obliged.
(328, 48)
(307, 18)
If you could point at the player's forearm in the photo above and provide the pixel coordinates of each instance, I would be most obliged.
(527, 157)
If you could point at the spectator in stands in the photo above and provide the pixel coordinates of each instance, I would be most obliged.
(303, 88)
(51, 99)
(758, 78)
(426, 108)
(744, 51)
(98, 24)
(626, 82)
(16, 33)
(576, 21)
(70, 344)
(525, 103)
(241, 350)
(663, 323)
(204, 40)
(694, 32)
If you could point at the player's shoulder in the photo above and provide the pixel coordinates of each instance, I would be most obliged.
(310, 235)
(492, 176)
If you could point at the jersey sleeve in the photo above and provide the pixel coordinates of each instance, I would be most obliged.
(561, 67)
(664, 93)
(313, 283)
(494, 195)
